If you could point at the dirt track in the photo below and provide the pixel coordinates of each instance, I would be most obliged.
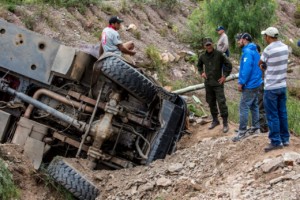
(207, 165)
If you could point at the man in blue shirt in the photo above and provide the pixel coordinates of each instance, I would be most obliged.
(250, 80)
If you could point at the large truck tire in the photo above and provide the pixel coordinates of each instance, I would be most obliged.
(64, 174)
(129, 78)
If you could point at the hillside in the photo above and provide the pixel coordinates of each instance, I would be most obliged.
(207, 164)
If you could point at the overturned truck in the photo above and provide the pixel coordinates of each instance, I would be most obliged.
(57, 101)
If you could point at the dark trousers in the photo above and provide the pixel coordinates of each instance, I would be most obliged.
(262, 114)
(215, 95)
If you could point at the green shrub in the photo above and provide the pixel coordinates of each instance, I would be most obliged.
(163, 32)
(137, 34)
(8, 190)
(197, 28)
(29, 22)
(124, 7)
(193, 108)
(233, 111)
(154, 55)
(79, 4)
(167, 4)
(57, 190)
(293, 110)
(295, 48)
(240, 16)
(108, 9)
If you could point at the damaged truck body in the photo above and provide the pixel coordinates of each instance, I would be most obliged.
(58, 101)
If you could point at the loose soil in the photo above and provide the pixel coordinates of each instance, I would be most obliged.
(207, 164)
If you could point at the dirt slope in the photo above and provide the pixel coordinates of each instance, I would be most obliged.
(207, 165)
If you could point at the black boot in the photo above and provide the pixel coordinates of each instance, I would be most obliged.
(214, 123)
(225, 125)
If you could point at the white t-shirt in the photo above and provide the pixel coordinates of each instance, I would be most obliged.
(110, 38)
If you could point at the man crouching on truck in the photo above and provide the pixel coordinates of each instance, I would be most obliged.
(111, 42)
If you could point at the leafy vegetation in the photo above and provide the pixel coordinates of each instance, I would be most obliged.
(168, 4)
(153, 54)
(250, 16)
(295, 48)
(197, 27)
(247, 17)
(293, 107)
(58, 190)
(193, 108)
(233, 111)
(108, 9)
(8, 189)
(79, 4)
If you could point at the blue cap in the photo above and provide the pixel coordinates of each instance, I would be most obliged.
(220, 28)
(246, 36)
(298, 43)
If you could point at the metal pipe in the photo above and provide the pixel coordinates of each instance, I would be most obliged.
(201, 86)
(57, 97)
(90, 123)
(77, 124)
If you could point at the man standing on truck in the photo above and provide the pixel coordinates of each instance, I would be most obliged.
(210, 66)
(111, 42)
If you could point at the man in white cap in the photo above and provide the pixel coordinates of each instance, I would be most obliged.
(273, 61)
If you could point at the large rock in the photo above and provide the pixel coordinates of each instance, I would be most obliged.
(290, 158)
(272, 164)
(163, 182)
(174, 168)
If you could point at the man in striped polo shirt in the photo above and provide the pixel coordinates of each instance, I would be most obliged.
(273, 61)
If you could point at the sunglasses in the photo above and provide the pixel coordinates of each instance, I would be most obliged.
(207, 45)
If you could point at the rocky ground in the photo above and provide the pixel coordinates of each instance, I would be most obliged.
(207, 164)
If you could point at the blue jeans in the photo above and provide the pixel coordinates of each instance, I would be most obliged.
(249, 101)
(275, 107)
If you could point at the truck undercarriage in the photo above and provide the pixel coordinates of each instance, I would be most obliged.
(59, 101)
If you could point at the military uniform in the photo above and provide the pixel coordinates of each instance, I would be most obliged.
(211, 64)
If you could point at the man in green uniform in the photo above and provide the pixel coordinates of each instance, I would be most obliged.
(210, 67)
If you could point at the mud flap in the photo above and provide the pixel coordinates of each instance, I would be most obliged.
(29, 134)
(171, 116)
(34, 150)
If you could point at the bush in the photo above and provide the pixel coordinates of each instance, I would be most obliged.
(8, 190)
(167, 4)
(237, 16)
(154, 55)
(197, 28)
(79, 4)
(193, 108)
(293, 109)
(295, 48)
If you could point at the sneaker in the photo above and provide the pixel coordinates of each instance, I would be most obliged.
(225, 128)
(214, 124)
(271, 147)
(286, 144)
(239, 136)
(254, 131)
